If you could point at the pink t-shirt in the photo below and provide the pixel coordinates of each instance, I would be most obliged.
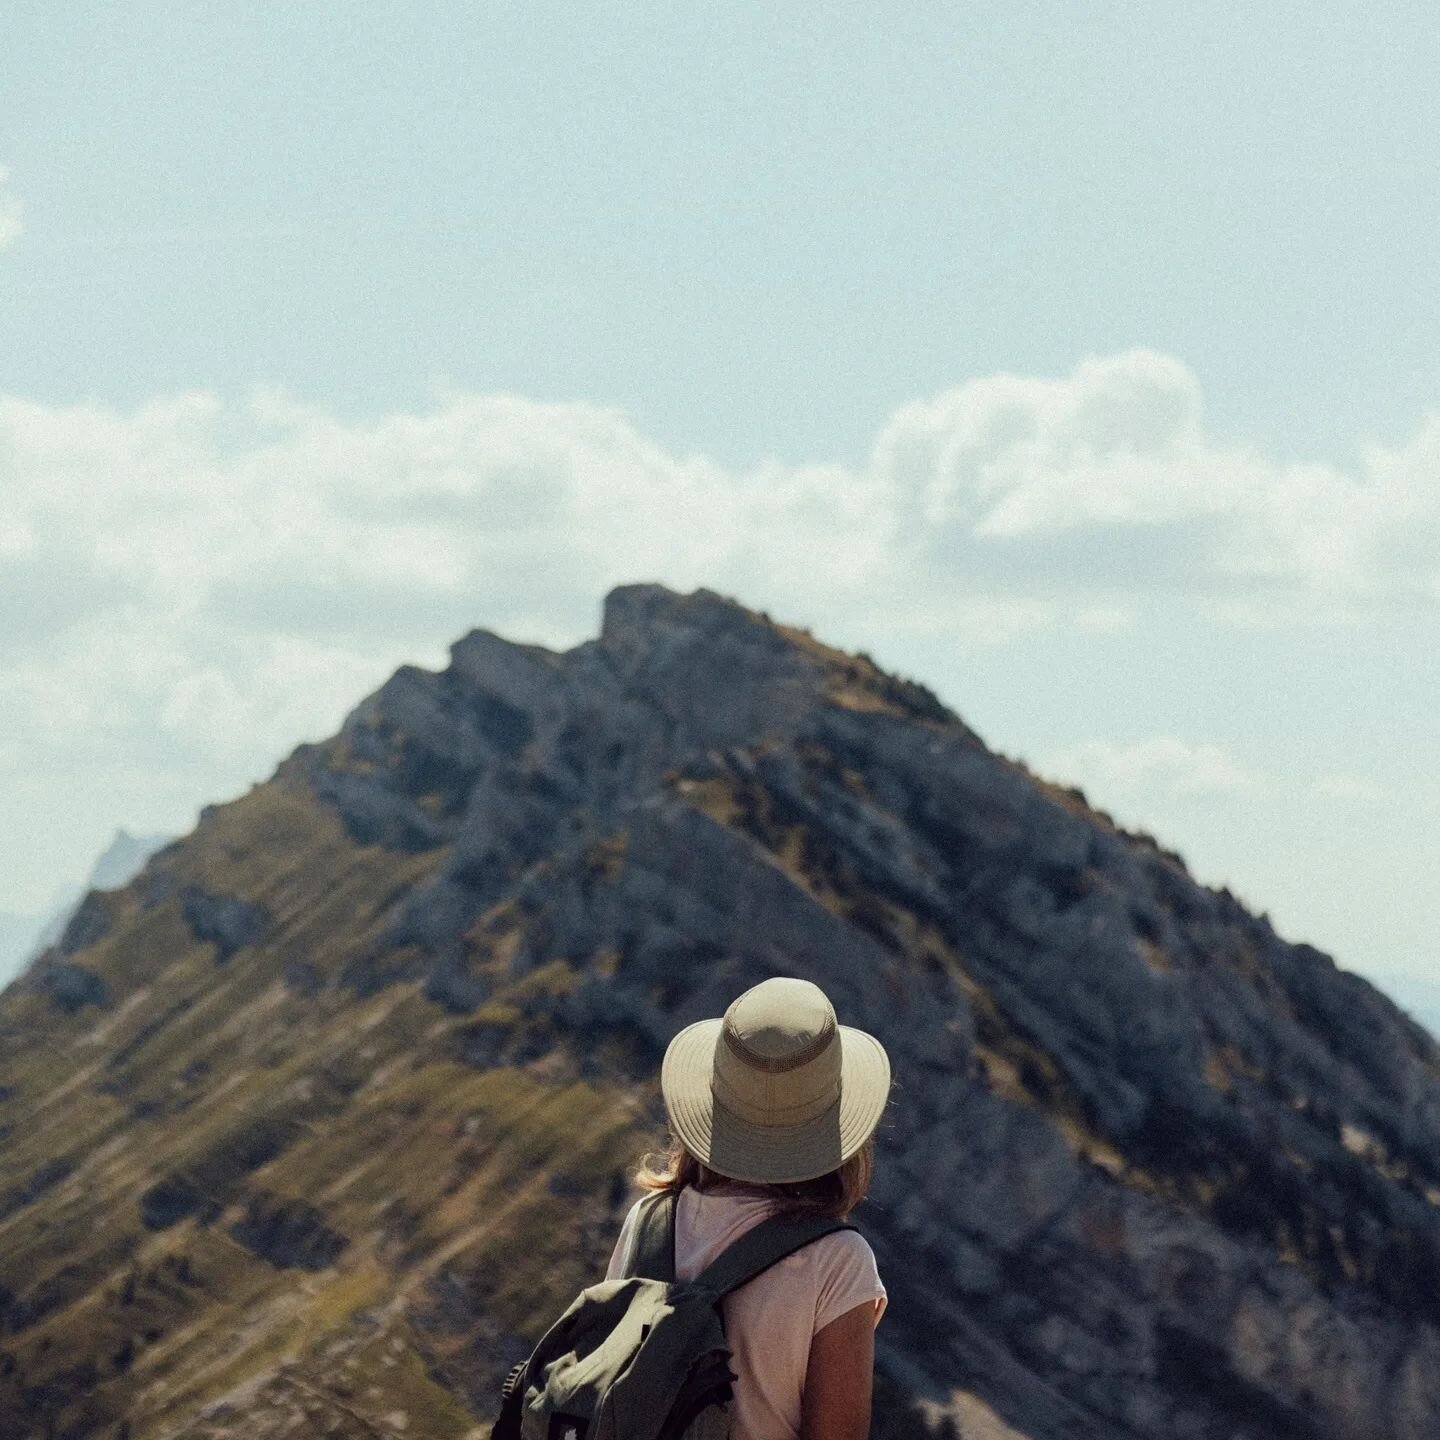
(769, 1321)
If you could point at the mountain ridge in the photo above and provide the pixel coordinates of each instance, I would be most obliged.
(355, 1071)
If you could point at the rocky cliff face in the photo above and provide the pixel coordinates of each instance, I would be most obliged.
(319, 1120)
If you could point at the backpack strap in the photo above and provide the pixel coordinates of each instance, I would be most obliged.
(763, 1245)
(652, 1245)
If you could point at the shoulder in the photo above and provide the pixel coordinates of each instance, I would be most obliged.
(847, 1248)
(843, 1257)
(846, 1275)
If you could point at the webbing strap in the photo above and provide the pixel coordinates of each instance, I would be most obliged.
(652, 1247)
(762, 1245)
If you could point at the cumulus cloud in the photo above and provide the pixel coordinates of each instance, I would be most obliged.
(229, 577)
(1011, 455)
(1003, 504)
(1108, 475)
(10, 210)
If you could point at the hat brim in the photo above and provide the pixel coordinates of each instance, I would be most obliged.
(772, 1154)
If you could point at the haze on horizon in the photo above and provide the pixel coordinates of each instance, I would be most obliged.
(1082, 366)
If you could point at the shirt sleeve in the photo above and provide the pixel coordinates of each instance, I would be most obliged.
(848, 1277)
(617, 1257)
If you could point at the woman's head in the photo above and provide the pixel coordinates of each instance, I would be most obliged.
(775, 1093)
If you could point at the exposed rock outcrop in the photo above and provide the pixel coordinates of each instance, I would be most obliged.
(229, 922)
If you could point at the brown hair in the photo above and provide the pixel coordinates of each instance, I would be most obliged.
(835, 1193)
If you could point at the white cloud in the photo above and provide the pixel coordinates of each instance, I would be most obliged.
(1107, 476)
(219, 580)
(1159, 765)
(991, 510)
(11, 211)
(286, 689)
(1114, 443)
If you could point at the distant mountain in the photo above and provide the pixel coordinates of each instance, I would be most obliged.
(23, 937)
(313, 1125)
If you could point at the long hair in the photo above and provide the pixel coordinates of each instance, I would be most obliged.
(835, 1193)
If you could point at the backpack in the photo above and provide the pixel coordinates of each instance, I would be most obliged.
(643, 1356)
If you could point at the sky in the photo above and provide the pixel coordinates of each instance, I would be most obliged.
(1081, 362)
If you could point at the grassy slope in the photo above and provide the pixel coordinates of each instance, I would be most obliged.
(193, 1067)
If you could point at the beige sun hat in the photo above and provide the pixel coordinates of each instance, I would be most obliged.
(777, 1090)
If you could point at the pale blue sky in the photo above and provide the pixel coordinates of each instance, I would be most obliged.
(755, 228)
(749, 276)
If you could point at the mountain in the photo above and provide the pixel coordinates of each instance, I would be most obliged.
(22, 937)
(312, 1126)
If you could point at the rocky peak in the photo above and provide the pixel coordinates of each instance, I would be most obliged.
(641, 624)
(521, 675)
(718, 673)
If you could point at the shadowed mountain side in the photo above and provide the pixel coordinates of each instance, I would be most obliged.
(320, 1119)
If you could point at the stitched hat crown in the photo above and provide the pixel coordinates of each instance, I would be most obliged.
(778, 1060)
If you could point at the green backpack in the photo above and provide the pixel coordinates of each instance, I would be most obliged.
(643, 1357)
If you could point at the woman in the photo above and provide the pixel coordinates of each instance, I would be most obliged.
(774, 1106)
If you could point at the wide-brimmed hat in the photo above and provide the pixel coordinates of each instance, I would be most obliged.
(777, 1089)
